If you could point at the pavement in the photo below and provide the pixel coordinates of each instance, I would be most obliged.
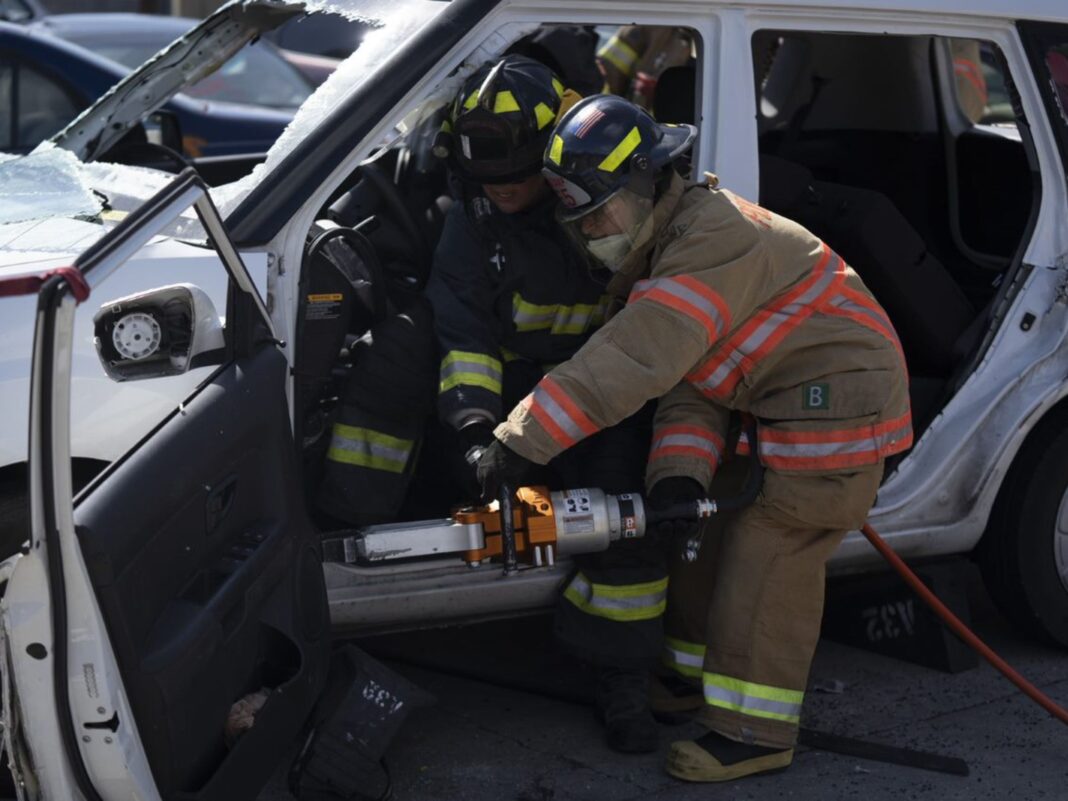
(510, 723)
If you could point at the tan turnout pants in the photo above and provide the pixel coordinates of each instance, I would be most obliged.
(745, 617)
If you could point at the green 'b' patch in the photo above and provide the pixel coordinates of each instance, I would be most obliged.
(816, 396)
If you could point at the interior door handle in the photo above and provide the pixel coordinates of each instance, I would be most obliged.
(220, 501)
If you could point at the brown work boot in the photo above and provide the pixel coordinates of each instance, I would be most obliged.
(623, 704)
(715, 758)
(674, 698)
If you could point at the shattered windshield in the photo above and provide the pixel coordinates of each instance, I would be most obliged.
(52, 184)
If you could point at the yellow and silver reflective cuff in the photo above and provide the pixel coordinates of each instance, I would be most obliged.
(749, 698)
(623, 603)
(685, 658)
(619, 54)
(557, 317)
(465, 368)
(364, 447)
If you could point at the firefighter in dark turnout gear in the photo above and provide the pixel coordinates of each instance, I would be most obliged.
(376, 432)
(512, 297)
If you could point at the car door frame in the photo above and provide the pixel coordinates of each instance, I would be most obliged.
(937, 501)
(57, 679)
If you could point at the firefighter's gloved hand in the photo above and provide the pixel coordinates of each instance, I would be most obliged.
(475, 438)
(501, 465)
(669, 492)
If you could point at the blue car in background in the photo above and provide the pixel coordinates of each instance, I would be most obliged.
(51, 69)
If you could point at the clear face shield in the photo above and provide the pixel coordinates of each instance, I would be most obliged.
(613, 229)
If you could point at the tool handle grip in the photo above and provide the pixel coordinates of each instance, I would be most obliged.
(508, 544)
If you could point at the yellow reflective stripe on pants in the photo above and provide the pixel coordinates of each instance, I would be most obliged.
(363, 447)
(623, 603)
(557, 317)
(686, 658)
(472, 369)
(748, 698)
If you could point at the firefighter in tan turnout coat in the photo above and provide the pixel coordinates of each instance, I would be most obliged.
(726, 307)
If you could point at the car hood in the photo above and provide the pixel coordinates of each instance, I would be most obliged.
(197, 54)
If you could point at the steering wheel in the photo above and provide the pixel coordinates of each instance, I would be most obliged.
(398, 210)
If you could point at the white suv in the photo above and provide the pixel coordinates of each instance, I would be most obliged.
(187, 572)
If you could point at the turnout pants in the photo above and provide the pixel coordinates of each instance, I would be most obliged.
(375, 436)
(745, 617)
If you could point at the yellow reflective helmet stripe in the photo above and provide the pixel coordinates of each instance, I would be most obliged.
(556, 150)
(544, 114)
(559, 87)
(472, 99)
(621, 151)
(504, 102)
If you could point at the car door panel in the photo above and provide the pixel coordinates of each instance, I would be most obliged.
(196, 547)
(210, 581)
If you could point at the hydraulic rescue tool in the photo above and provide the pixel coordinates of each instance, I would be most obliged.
(535, 526)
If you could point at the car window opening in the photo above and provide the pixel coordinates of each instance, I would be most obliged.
(903, 154)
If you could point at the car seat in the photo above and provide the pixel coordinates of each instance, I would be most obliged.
(928, 309)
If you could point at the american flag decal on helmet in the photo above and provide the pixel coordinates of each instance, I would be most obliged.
(591, 118)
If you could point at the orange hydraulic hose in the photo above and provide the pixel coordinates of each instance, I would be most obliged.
(962, 631)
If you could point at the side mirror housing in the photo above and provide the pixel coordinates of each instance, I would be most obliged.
(162, 332)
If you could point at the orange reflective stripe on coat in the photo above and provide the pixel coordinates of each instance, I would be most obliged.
(687, 295)
(687, 440)
(970, 71)
(863, 309)
(558, 414)
(720, 374)
(831, 450)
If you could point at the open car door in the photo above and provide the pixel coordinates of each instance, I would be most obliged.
(187, 575)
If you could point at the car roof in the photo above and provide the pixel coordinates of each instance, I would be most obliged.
(1051, 10)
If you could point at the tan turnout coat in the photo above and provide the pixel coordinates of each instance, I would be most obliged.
(727, 306)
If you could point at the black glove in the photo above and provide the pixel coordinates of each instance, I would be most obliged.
(474, 439)
(668, 492)
(501, 465)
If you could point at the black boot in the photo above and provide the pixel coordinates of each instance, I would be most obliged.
(674, 699)
(623, 704)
